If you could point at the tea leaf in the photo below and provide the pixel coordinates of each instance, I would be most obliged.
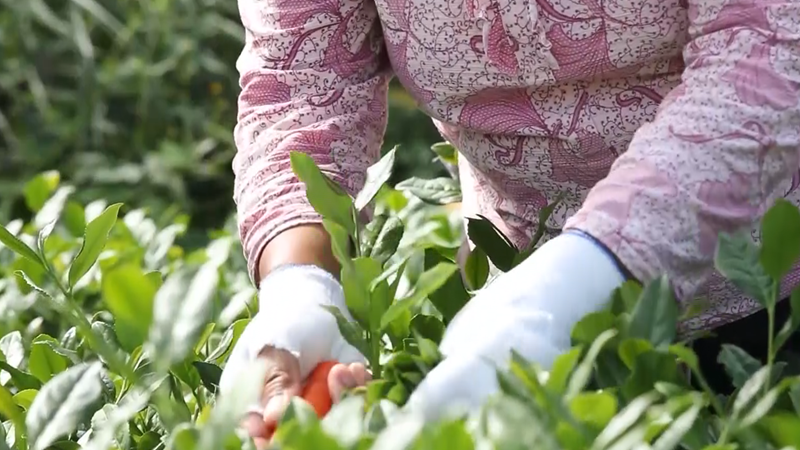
(377, 175)
(655, 316)
(780, 238)
(428, 282)
(356, 282)
(349, 330)
(739, 365)
(129, 295)
(327, 198)
(39, 189)
(94, 240)
(491, 240)
(476, 269)
(594, 408)
(180, 315)
(452, 296)
(737, 258)
(387, 240)
(446, 152)
(671, 437)
(340, 241)
(43, 361)
(63, 403)
(583, 372)
(19, 247)
(750, 389)
(209, 374)
(438, 191)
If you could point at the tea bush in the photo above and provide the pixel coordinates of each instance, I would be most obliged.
(135, 101)
(114, 337)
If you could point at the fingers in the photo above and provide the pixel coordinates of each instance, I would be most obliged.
(343, 377)
(282, 382)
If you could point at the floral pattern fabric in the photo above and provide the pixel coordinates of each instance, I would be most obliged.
(662, 122)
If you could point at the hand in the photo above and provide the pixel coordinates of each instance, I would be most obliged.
(292, 333)
(530, 309)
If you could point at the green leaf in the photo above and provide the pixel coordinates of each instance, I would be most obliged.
(231, 407)
(356, 282)
(21, 380)
(591, 326)
(25, 398)
(648, 369)
(327, 198)
(476, 269)
(209, 374)
(19, 247)
(43, 361)
(491, 240)
(9, 408)
(580, 378)
(377, 175)
(181, 311)
(594, 408)
(562, 368)
(428, 282)
(129, 295)
(792, 323)
(39, 189)
(446, 152)
(428, 327)
(340, 241)
(623, 421)
(350, 331)
(451, 297)
(780, 238)
(739, 365)
(438, 191)
(671, 438)
(737, 258)
(74, 218)
(94, 241)
(387, 240)
(750, 389)
(63, 403)
(655, 316)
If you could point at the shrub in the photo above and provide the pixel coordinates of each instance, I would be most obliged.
(115, 339)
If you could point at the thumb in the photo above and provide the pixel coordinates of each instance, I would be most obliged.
(282, 382)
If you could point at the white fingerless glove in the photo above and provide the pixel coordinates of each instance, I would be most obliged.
(530, 309)
(291, 318)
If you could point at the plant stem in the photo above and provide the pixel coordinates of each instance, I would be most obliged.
(375, 358)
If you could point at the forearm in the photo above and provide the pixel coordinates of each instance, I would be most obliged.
(301, 245)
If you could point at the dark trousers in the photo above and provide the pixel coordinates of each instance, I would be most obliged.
(750, 334)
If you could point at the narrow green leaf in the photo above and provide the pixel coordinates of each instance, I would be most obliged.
(750, 389)
(780, 238)
(377, 175)
(428, 282)
(181, 311)
(340, 241)
(476, 269)
(209, 374)
(387, 240)
(437, 191)
(327, 198)
(446, 152)
(19, 247)
(63, 403)
(655, 316)
(580, 378)
(94, 241)
(491, 240)
(451, 297)
(351, 332)
(356, 282)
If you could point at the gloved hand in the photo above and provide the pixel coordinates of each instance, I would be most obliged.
(293, 333)
(532, 309)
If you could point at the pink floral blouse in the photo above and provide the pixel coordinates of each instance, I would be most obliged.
(663, 122)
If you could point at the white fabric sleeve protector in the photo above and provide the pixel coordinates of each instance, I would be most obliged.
(291, 317)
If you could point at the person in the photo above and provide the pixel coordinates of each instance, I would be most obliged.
(661, 122)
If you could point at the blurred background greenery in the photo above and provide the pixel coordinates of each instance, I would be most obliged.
(134, 101)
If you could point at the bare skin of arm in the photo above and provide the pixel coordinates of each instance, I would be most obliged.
(303, 244)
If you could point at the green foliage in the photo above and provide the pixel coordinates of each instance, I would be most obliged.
(114, 337)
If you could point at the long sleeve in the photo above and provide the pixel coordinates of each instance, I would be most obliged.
(723, 146)
(314, 78)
